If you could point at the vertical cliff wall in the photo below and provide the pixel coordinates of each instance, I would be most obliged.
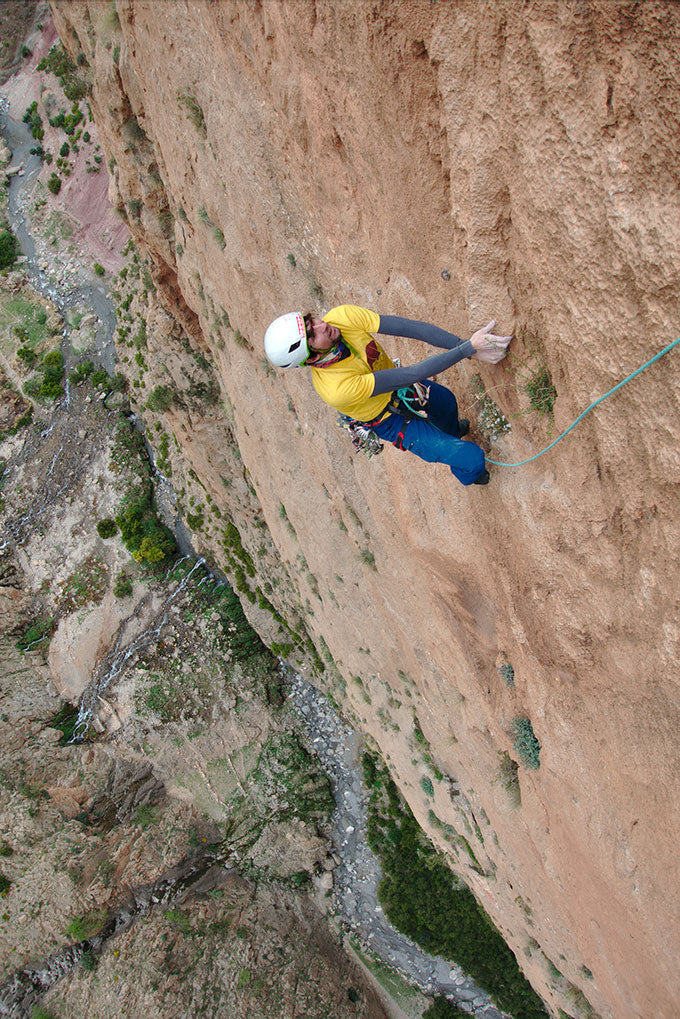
(451, 162)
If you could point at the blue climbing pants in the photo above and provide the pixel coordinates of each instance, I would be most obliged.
(437, 439)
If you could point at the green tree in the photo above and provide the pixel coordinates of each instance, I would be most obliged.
(9, 249)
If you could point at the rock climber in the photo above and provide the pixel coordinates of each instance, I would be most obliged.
(352, 373)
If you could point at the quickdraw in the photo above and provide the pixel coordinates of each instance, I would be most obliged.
(362, 435)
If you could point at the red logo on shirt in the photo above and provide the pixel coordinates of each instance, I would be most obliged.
(372, 353)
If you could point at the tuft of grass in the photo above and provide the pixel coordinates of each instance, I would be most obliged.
(179, 920)
(509, 780)
(367, 558)
(82, 927)
(540, 390)
(194, 111)
(145, 816)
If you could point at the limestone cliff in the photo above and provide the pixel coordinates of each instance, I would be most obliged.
(450, 162)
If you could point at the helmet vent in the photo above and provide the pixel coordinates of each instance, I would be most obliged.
(293, 346)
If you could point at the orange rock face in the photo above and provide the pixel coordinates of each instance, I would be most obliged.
(451, 162)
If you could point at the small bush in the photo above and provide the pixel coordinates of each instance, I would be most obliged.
(81, 372)
(50, 388)
(426, 786)
(508, 778)
(99, 269)
(32, 118)
(443, 1009)
(144, 535)
(160, 399)
(541, 391)
(525, 742)
(5, 849)
(194, 111)
(367, 558)
(54, 184)
(122, 587)
(9, 249)
(507, 673)
(107, 528)
(54, 360)
(5, 884)
(65, 150)
(27, 355)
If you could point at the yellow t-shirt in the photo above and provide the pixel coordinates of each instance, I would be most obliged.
(348, 385)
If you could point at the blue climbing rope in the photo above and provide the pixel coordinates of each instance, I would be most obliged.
(588, 409)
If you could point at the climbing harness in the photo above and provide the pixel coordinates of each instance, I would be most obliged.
(409, 403)
(414, 398)
(619, 385)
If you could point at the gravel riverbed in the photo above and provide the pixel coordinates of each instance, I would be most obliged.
(356, 877)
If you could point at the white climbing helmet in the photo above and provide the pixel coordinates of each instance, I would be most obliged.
(285, 342)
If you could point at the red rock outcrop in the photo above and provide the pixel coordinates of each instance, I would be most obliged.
(451, 162)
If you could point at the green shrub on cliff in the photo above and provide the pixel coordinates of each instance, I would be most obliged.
(422, 898)
(525, 742)
(59, 63)
(160, 399)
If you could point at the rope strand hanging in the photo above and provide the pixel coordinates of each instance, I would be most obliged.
(619, 385)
